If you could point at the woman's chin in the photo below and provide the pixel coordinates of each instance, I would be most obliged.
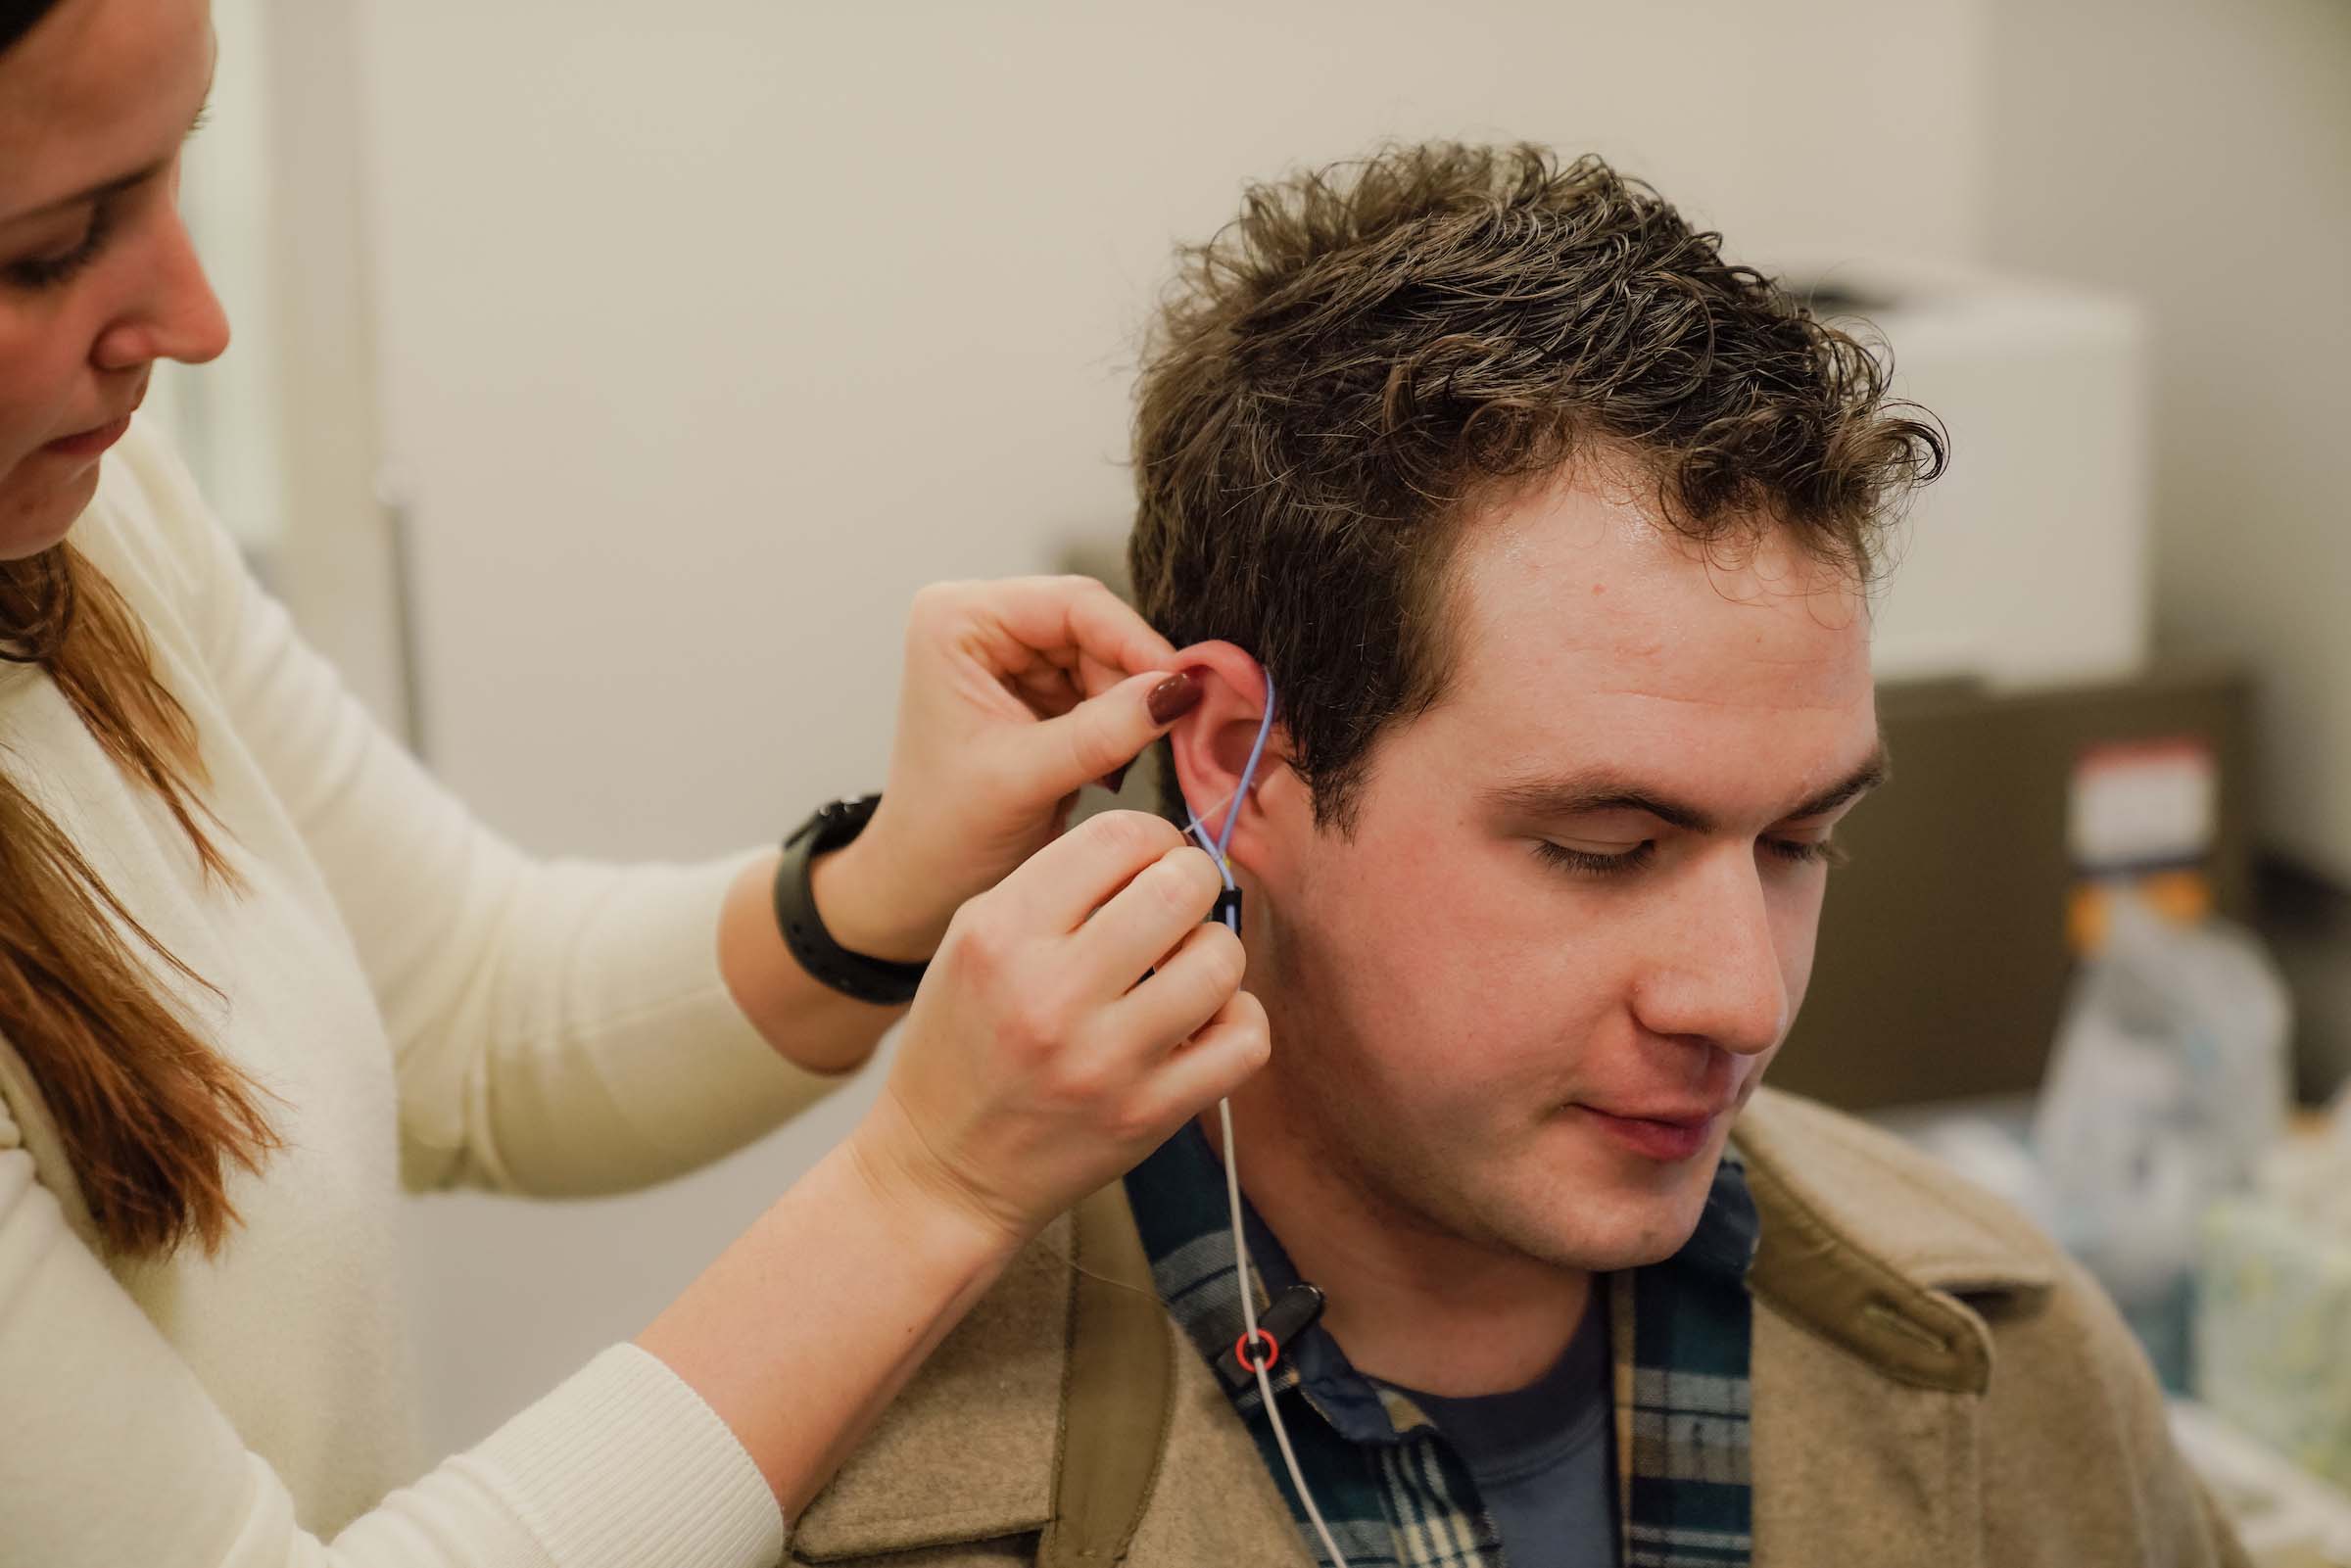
(39, 510)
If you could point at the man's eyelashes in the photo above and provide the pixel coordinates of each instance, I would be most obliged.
(1591, 862)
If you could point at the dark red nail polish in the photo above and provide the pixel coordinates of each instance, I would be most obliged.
(1176, 696)
(1115, 778)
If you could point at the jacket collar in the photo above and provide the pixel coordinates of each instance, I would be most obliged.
(967, 1451)
(1862, 1244)
(1871, 1247)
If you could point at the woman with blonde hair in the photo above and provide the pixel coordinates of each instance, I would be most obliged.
(257, 972)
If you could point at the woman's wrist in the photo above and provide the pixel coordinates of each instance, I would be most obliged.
(803, 1331)
(907, 1179)
(870, 905)
(809, 1023)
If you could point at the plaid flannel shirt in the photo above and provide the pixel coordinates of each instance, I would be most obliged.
(1392, 1490)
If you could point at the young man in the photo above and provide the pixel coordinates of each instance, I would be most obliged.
(1554, 531)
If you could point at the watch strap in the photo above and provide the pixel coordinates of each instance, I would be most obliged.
(881, 981)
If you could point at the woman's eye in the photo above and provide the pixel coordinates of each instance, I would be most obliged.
(1593, 863)
(48, 271)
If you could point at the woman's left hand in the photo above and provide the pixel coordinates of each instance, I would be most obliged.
(1016, 693)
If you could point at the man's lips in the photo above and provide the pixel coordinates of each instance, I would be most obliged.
(1666, 1133)
(1685, 1115)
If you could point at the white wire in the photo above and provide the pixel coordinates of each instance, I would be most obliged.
(1265, 1383)
(1216, 848)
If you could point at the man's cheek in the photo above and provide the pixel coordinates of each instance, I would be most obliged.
(1752, 1073)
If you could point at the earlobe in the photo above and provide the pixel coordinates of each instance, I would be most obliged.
(1210, 744)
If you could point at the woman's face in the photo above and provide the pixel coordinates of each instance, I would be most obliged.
(97, 277)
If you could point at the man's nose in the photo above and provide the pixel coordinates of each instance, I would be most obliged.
(174, 314)
(1717, 972)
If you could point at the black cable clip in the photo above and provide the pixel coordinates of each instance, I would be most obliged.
(1285, 1318)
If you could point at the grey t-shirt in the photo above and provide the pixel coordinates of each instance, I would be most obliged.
(1541, 1455)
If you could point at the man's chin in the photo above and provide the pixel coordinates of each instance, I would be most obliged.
(1603, 1225)
(1631, 1242)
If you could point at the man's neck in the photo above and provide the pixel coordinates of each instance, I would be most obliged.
(1409, 1303)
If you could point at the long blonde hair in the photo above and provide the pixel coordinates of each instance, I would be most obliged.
(151, 1115)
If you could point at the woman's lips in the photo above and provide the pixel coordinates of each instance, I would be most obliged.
(1667, 1142)
(90, 443)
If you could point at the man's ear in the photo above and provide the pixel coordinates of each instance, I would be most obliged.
(1211, 747)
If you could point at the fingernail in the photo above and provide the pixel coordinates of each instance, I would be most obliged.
(1176, 696)
(1116, 777)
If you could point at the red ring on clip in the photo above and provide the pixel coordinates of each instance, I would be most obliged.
(1241, 1346)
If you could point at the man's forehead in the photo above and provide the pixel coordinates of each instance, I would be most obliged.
(1597, 655)
(1575, 590)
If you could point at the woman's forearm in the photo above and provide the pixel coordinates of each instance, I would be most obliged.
(810, 1323)
(1035, 1068)
(809, 1022)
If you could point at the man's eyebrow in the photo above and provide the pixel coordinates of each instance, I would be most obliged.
(1852, 786)
(119, 183)
(1582, 794)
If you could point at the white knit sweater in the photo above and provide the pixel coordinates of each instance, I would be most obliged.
(429, 1007)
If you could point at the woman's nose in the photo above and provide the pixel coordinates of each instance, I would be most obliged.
(176, 314)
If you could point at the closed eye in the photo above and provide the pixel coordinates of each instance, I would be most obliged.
(1594, 863)
(47, 271)
(1590, 863)
(1803, 852)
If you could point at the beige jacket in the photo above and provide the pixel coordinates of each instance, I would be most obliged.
(1934, 1386)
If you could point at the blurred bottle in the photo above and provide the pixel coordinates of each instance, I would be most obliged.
(2168, 1086)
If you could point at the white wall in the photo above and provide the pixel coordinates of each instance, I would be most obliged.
(710, 331)
(337, 560)
(225, 416)
(2197, 153)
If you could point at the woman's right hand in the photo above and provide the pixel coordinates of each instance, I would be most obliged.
(1039, 1062)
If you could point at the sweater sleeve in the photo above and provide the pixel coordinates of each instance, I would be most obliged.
(112, 1452)
(559, 1028)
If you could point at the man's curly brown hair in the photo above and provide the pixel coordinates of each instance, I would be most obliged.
(1340, 374)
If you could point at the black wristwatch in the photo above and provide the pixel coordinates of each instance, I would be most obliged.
(869, 980)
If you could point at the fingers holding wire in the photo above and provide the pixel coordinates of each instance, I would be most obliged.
(1149, 919)
(1188, 990)
(1220, 1056)
(1076, 875)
